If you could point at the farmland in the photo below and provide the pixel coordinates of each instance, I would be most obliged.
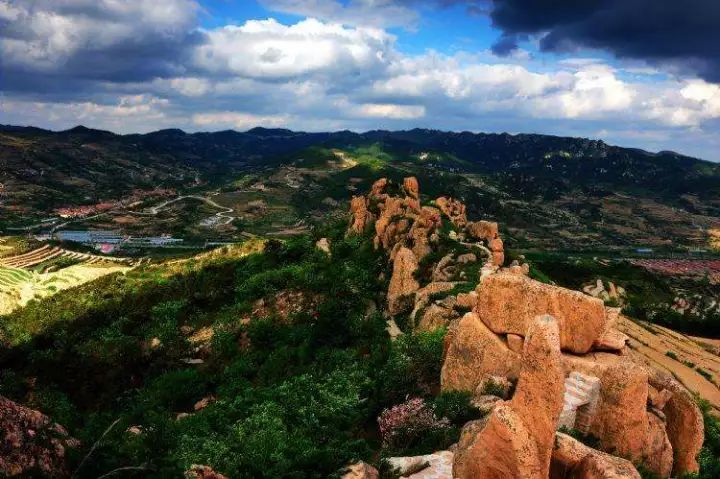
(46, 270)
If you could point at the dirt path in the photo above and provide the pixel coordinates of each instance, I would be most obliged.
(653, 343)
(155, 210)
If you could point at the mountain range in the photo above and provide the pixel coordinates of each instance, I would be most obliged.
(552, 191)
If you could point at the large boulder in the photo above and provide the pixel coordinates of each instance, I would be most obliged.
(403, 284)
(482, 230)
(508, 304)
(684, 423)
(361, 470)
(474, 352)
(658, 453)
(454, 210)
(32, 445)
(361, 218)
(518, 439)
(437, 465)
(411, 187)
(573, 460)
(621, 420)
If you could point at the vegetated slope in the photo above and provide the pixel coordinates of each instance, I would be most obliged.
(272, 363)
(283, 346)
(548, 191)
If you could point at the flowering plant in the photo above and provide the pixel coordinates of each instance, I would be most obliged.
(407, 422)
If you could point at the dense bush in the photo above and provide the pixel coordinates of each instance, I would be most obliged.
(295, 397)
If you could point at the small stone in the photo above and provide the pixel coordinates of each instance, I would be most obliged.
(361, 470)
(323, 244)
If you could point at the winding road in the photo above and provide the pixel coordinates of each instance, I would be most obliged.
(221, 214)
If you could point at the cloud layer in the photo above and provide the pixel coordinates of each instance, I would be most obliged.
(132, 65)
(682, 35)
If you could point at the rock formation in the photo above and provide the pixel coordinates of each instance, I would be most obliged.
(403, 284)
(562, 347)
(508, 303)
(404, 227)
(518, 438)
(31, 443)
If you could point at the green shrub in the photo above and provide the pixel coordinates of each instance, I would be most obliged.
(413, 367)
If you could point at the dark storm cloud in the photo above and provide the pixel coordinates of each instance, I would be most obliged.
(683, 34)
(48, 46)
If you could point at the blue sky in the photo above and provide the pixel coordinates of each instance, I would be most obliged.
(518, 66)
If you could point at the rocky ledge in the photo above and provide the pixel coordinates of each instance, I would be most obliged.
(561, 349)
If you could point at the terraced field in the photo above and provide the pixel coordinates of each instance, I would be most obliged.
(47, 270)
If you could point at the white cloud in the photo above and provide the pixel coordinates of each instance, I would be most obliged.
(238, 120)
(313, 75)
(398, 112)
(378, 13)
(269, 49)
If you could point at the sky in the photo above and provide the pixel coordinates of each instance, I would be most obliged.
(637, 73)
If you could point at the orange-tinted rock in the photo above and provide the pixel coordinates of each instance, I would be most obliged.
(31, 444)
(515, 342)
(403, 284)
(503, 449)
(454, 210)
(498, 258)
(658, 399)
(361, 217)
(610, 340)
(658, 453)
(435, 317)
(378, 188)
(604, 466)
(496, 245)
(573, 460)
(519, 436)
(361, 470)
(508, 303)
(467, 300)
(473, 352)
(482, 230)
(539, 393)
(684, 424)
(621, 420)
(411, 187)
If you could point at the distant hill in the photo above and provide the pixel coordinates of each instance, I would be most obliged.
(555, 191)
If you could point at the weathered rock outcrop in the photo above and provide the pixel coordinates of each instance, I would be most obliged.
(32, 444)
(454, 210)
(684, 423)
(474, 352)
(361, 470)
(573, 360)
(402, 224)
(361, 217)
(574, 460)
(518, 438)
(403, 284)
(508, 303)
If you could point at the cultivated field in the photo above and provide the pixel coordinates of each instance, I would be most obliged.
(693, 361)
(47, 270)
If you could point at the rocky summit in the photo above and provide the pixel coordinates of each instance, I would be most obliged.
(559, 350)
